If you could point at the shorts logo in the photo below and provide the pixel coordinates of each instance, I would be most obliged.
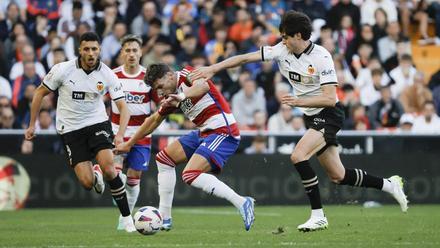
(102, 132)
(69, 153)
(318, 120)
(100, 86)
(78, 95)
(294, 76)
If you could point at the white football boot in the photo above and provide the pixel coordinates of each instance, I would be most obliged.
(398, 192)
(128, 224)
(314, 224)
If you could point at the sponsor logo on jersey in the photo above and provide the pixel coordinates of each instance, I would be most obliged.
(100, 86)
(133, 98)
(294, 76)
(186, 105)
(78, 95)
(117, 88)
(310, 69)
(327, 72)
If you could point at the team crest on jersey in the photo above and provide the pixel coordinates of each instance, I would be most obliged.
(310, 69)
(100, 86)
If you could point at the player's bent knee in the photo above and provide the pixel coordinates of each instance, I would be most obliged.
(87, 182)
(336, 177)
(108, 171)
(188, 176)
(297, 157)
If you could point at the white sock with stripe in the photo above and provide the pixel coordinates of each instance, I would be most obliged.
(132, 188)
(211, 185)
(166, 179)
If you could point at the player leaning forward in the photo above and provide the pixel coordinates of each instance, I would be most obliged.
(311, 72)
(205, 151)
(82, 121)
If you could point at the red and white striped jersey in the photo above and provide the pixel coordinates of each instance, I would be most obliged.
(138, 97)
(210, 112)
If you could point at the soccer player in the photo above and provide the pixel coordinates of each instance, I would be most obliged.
(138, 97)
(205, 151)
(82, 122)
(311, 72)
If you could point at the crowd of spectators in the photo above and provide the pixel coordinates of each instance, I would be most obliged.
(379, 85)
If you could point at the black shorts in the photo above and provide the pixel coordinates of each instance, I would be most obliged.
(329, 121)
(83, 144)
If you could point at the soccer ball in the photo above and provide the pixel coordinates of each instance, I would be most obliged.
(147, 220)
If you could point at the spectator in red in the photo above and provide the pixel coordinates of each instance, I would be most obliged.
(48, 8)
(242, 28)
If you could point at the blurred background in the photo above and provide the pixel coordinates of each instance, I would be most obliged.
(386, 54)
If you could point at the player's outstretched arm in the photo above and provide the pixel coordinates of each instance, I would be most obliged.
(149, 125)
(208, 71)
(123, 121)
(40, 92)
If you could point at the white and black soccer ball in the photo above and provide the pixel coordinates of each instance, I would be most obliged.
(147, 220)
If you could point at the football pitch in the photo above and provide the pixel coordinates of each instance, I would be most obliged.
(275, 226)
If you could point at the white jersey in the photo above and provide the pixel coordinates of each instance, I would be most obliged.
(80, 99)
(138, 96)
(306, 72)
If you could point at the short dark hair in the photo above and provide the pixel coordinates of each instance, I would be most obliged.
(89, 36)
(155, 72)
(77, 5)
(377, 71)
(155, 21)
(293, 22)
(131, 38)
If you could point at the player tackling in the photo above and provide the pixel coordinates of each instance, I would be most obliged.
(205, 151)
(310, 70)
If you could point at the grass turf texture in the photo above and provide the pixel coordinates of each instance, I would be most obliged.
(350, 226)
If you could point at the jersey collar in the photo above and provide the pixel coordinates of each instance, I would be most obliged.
(307, 51)
(97, 67)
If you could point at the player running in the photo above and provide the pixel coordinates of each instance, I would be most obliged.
(311, 72)
(138, 97)
(82, 121)
(205, 150)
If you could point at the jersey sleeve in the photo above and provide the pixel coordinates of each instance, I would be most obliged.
(115, 87)
(269, 53)
(53, 79)
(326, 70)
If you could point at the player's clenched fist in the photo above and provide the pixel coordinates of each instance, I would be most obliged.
(29, 133)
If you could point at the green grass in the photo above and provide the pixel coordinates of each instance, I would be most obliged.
(350, 226)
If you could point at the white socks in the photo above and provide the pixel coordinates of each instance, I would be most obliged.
(166, 178)
(318, 213)
(211, 185)
(387, 186)
(132, 195)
